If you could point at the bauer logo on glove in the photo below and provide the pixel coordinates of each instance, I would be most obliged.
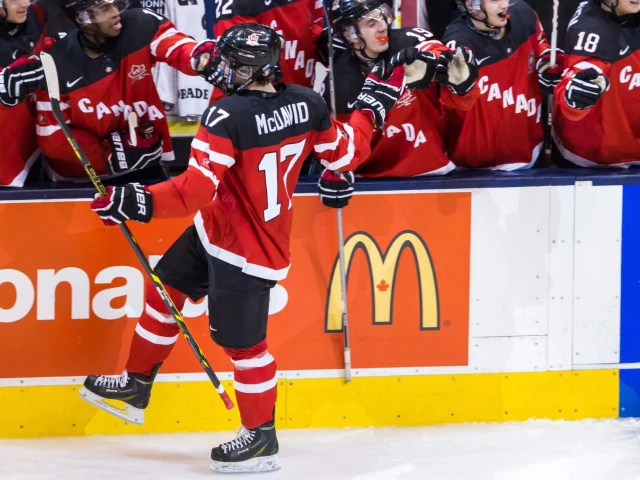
(124, 154)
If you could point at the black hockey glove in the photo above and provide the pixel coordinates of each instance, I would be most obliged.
(380, 93)
(20, 79)
(549, 77)
(585, 89)
(123, 154)
(336, 188)
(418, 66)
(338, 45)
(458, 71)
(131, 202)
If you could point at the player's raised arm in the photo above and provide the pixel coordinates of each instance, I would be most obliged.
(170, 45)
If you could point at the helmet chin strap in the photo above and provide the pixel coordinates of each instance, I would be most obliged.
(493, 29)
(95, 40)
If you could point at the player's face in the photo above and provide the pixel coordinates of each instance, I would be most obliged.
(374, 30)
(628, 7)
(494, 12)
(16, 10)
(106, 16)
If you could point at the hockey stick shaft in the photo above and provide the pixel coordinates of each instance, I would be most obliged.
(51, 76)
(343, 275)
(550, 99)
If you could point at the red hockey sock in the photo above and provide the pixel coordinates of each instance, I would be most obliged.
(156, 332)
(255, 382)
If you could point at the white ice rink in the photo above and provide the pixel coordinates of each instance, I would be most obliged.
(538, 450)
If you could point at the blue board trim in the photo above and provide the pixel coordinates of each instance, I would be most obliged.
(460, 180)
(630, 276)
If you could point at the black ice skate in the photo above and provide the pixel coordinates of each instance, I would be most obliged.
(252, 451)
(134, 389)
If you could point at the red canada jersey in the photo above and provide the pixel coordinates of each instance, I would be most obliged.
(298, 21)
(98, 94)
(246, 156)
(609, 132)
(44, 23)
(412, 140)
(503, 130)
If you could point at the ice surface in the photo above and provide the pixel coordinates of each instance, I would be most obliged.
(536, 450)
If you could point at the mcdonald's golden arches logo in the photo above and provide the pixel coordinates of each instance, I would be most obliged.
(383, 268)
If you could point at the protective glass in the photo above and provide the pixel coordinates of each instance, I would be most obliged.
(102, 11)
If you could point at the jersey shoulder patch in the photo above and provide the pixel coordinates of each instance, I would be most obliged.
(592, 34)
(407, 37)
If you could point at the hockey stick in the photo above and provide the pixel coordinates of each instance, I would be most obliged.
(133, 123)
(552, 64)
(343, 276)
(53, 87)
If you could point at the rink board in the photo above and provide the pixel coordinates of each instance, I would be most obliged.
(471, 298)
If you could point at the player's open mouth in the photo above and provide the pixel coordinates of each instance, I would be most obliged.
(117, 25)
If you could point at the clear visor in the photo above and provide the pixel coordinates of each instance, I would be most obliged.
(14, 3)
(373, 19)
(492, 5)
(103, 11)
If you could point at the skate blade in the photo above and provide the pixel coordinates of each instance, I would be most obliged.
(253, 465)
(129, 414)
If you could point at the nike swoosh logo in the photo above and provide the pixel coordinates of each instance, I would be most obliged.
(622, 52)
(71, 84)
(14, 55)
(479, 61)
(351, 105)
(212, 329)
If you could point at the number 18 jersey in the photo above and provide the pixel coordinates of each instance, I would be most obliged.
(244, 166)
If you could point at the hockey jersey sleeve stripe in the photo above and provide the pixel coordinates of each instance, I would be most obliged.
(168, 156)
(46, 106)
(181, 42)
(207, 173)
(580, 66)
(48, 130)
(215, 157)
(321, 147)
(156, 43)
(346, 159)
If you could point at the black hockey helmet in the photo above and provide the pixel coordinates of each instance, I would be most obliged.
(631, 20)
(247, 51)
(479, 6)
(345, 15)
(86, 12)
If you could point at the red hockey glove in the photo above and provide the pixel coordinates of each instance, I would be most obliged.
(336, 188)
(380, 93)
(549, 77)
(121, 155)
(419, 66)
(202, 58)
(20, 79)
(131, 202)
(457, 70)
(585, 89)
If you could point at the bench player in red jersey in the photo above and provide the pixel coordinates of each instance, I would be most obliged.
(25, 30)
(596, 121)
(245, 162)
(105, 75)
(504, 129)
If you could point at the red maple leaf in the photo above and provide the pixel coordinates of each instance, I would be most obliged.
(383, 286)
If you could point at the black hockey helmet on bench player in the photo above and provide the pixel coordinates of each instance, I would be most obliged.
(87, 12)
(477, 10)
(345, 15)
(244, 53)
(629, 20)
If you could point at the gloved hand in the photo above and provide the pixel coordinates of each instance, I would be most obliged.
(336, 188)
(337, 43)
(585, 89)
(418, 66)
(121, 155)
(19, 79)
(202, 59)
(380, 93)
(549, 77)
(458, 72)
(130, 202)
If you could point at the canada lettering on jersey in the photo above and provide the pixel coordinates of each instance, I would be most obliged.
(141, 108)
(291, 52)
(522, 104)
(628, 76)
(285, 116)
